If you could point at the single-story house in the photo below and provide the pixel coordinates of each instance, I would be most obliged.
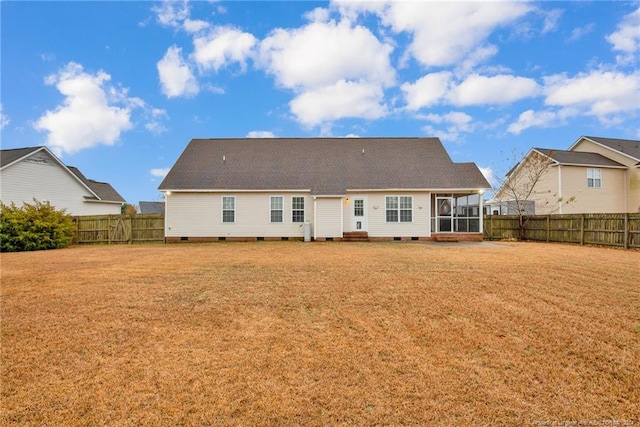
(322, 189)
(595, 175)
(36, 173)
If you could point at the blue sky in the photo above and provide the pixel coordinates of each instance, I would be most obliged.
(118, 89)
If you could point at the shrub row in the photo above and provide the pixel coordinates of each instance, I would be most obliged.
(33, 227)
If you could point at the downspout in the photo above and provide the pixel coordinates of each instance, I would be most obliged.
(315, 216)
(560, 189)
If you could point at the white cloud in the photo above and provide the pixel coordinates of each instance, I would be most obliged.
(580, 32)
(444, 33)
(195, 26)
(321, 54)
(341, 100)
(88, 115)
(501, 89)
(160, 172)
(335, 69)
(530, 118)
(154, 124)
(439, 88)
(221, 46)
(171, 13)
(626, 38)
(455, 123)
(176, 78)
(4, 119)
(428, 90)
(260, 134)
(490, 175)
(598, 93)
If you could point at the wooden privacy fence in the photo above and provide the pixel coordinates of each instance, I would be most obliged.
(621, 229)
(139, 228)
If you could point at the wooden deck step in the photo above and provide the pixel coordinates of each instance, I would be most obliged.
(355, 236)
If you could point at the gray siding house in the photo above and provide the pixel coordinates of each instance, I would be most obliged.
(322, 189)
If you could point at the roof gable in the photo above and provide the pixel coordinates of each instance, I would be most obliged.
(626, 147)
(320, 165)
(579, 158)
(102, 191)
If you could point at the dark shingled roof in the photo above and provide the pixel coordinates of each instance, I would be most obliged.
(151, 207)
(11, 155)
(326, 166)
(579, 158)
(630, 147)
(103, 190)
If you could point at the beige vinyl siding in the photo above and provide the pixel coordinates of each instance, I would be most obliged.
(632, 177)
(546, 192)
(49, 181)
(607, 199)
(328, 213)
(200, 215)
(377, 225)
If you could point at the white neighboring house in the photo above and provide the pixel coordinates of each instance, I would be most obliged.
(36, 173)
(322, 188)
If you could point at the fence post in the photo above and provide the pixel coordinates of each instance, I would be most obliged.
(130, 229)
(581, 229)
(626, 230)
(548, 227)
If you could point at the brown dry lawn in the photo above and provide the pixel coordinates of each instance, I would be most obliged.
(291, 333)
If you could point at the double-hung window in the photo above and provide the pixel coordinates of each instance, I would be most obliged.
(399, 208)
(228, 209)
(276, 208)
(297, 209)
(594, 178)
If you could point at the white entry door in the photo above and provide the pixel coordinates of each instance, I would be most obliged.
(358, 214)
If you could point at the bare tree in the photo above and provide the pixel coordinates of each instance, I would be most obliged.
(519, 186)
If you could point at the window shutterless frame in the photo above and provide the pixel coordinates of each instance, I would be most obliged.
(276, 209)
(229, 209)
(297, 209)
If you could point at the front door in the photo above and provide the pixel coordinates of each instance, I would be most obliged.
(358, 214)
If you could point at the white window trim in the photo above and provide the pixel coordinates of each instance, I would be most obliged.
(590, 175)
(222, 209)
(304, 210)
(399, 209)
(271, 210)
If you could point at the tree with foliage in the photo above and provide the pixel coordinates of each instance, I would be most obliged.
(128, 209)
(34, 227)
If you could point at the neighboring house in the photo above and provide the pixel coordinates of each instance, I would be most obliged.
(321, 188)
(152, 207)
(509, 207)
(595, 175)
(36, 173)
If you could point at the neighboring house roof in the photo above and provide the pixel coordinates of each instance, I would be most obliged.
(151, 207)
(325, 166)
(11, 155)
(103, 191)
(579, 158)
(628, 147)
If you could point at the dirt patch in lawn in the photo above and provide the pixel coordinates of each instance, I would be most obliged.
(291, 333)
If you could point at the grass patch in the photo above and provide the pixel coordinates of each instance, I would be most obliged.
(290, 333)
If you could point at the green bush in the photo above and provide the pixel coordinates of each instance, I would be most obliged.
(34, 227)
